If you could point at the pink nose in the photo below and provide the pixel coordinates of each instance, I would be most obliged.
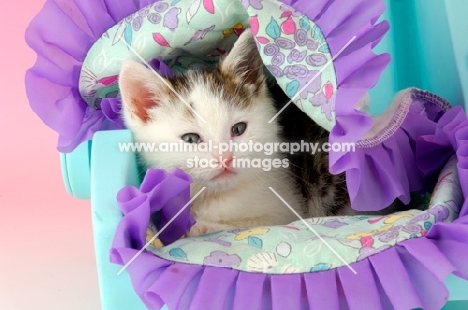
(225, 159)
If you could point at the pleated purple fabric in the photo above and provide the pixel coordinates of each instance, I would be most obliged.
(61, 35)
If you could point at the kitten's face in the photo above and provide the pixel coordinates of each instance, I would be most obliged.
(226, 105)
(227, 119)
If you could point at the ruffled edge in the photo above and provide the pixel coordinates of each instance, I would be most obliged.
(162, 193)
(52, 82)
(403, 156)
(417, 266)
(357, 67)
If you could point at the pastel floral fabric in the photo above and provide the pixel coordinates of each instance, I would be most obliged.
(187, 35)
(295, 51)
(305, 246)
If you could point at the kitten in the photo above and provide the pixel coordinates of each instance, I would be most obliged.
(234, 101)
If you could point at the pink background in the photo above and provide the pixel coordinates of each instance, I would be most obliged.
(46, 246)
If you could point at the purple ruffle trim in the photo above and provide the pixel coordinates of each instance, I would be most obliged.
(405, 156)
(358, 68)
(61, 35)
(418, 267)
(160, 191)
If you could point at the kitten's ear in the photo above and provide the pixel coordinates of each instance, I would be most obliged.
(140, 89)
(244, 61)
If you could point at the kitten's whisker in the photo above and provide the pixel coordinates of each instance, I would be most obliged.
(265, 174)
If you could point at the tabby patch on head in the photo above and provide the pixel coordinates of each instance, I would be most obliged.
(238, 80)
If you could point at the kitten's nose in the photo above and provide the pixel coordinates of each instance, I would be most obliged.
(225, 159)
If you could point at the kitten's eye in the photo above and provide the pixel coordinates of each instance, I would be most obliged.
(191, 138)
(238, 129)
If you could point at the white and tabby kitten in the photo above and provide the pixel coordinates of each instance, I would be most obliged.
(234, 100)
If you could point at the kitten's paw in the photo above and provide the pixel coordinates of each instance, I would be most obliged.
(198, 229)
(201, 228)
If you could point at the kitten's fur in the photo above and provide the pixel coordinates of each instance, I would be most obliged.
(233, 92)
(326, 194)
